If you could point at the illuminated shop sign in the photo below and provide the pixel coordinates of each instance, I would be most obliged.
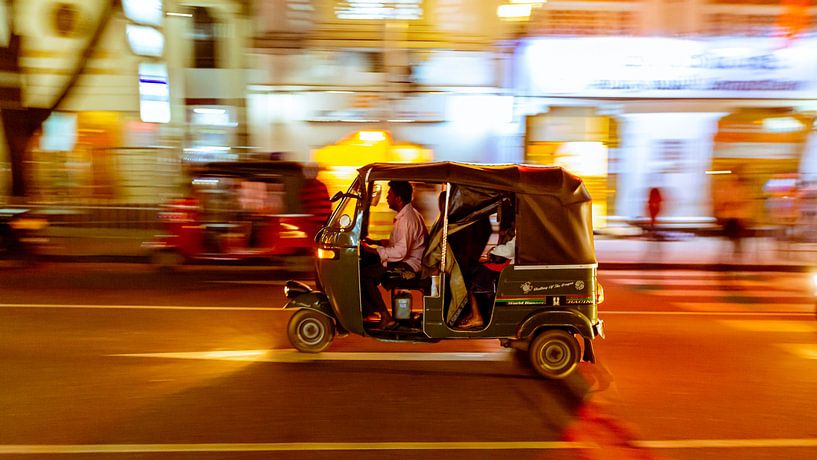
(145, 41)
(143, 11)
(371, 108)
(666, 67)
(154, 93)
(378, 10)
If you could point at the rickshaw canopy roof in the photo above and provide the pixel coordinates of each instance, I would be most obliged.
(553, 210)
(530, 180)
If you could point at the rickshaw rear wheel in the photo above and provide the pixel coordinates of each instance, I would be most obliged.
(310, 331)
(555, 354)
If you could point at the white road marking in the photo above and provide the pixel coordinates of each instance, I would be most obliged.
(783, 308)
(803, 350)
(685, 293)
(293, 356)
(727, 443)
(693, 283)
(251, 282)
(45, 449)
(275, 309)
(139, 307)
(675, 274)
(771, 325)
(702, 313)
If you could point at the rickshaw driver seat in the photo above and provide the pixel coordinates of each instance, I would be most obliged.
(398, 279)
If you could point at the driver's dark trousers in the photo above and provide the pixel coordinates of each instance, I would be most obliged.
(371, 276)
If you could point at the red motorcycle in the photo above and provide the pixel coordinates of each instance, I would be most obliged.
(237, 211)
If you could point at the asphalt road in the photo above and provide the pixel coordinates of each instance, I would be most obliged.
(119, 361)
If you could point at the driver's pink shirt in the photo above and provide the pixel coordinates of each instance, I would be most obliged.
(407, 240)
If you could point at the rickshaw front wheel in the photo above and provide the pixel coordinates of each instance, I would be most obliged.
(554, 354)
(310, 331)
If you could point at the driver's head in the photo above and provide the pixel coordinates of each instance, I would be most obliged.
(400, 193)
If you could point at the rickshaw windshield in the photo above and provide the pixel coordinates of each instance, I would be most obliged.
(343, 217)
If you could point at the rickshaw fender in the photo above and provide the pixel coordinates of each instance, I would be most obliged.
(570, 321)
(317, 301)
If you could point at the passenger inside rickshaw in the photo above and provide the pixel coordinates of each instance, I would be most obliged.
(472, 216)
(470, 213)
(482, 276)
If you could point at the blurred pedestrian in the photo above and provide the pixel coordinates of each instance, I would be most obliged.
(654, 203)
(732, 209)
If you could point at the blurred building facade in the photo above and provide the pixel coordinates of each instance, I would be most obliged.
(692, 90)
(165, 80)
(628, 94)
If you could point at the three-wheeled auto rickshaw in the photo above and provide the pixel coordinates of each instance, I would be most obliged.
(244, 210)
(545, 302)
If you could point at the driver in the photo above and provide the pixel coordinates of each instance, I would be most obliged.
(403, 250)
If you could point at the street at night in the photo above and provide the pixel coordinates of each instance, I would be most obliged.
(123, 361)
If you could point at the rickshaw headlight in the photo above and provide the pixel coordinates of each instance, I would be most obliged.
(326, 254)
(599, 293)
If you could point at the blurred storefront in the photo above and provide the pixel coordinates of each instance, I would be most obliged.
(454, 103)
(338, 165)
(678, 105)
(578, 139)
(762, 147)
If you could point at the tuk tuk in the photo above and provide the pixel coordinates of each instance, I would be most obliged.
(545, 301)
(244, 210)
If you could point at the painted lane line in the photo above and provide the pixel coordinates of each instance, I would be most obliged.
(43, 449)
(803, 350)
(704, 313)
(801, 288)
(771, 325)
(783, 308)
(251, 282)
(667, 274)
(279, 310)
(728, 443)
(139, 307)
(283, 446)
(686, 293)
(293, 356)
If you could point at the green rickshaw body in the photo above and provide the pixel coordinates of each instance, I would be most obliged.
(551, 286)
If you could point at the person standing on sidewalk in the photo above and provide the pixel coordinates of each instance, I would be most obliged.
(654, 203)
(732, 209)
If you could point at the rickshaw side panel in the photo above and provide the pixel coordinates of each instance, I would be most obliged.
(340, 278)
(534, 295)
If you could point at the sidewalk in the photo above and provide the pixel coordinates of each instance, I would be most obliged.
(697, 253)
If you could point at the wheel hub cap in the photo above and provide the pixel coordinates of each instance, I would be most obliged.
(311, 331)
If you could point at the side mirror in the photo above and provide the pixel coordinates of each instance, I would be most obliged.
(376, 192)
(337, 196)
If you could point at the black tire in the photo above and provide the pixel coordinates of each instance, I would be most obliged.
(554, 354)
(310, 331)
